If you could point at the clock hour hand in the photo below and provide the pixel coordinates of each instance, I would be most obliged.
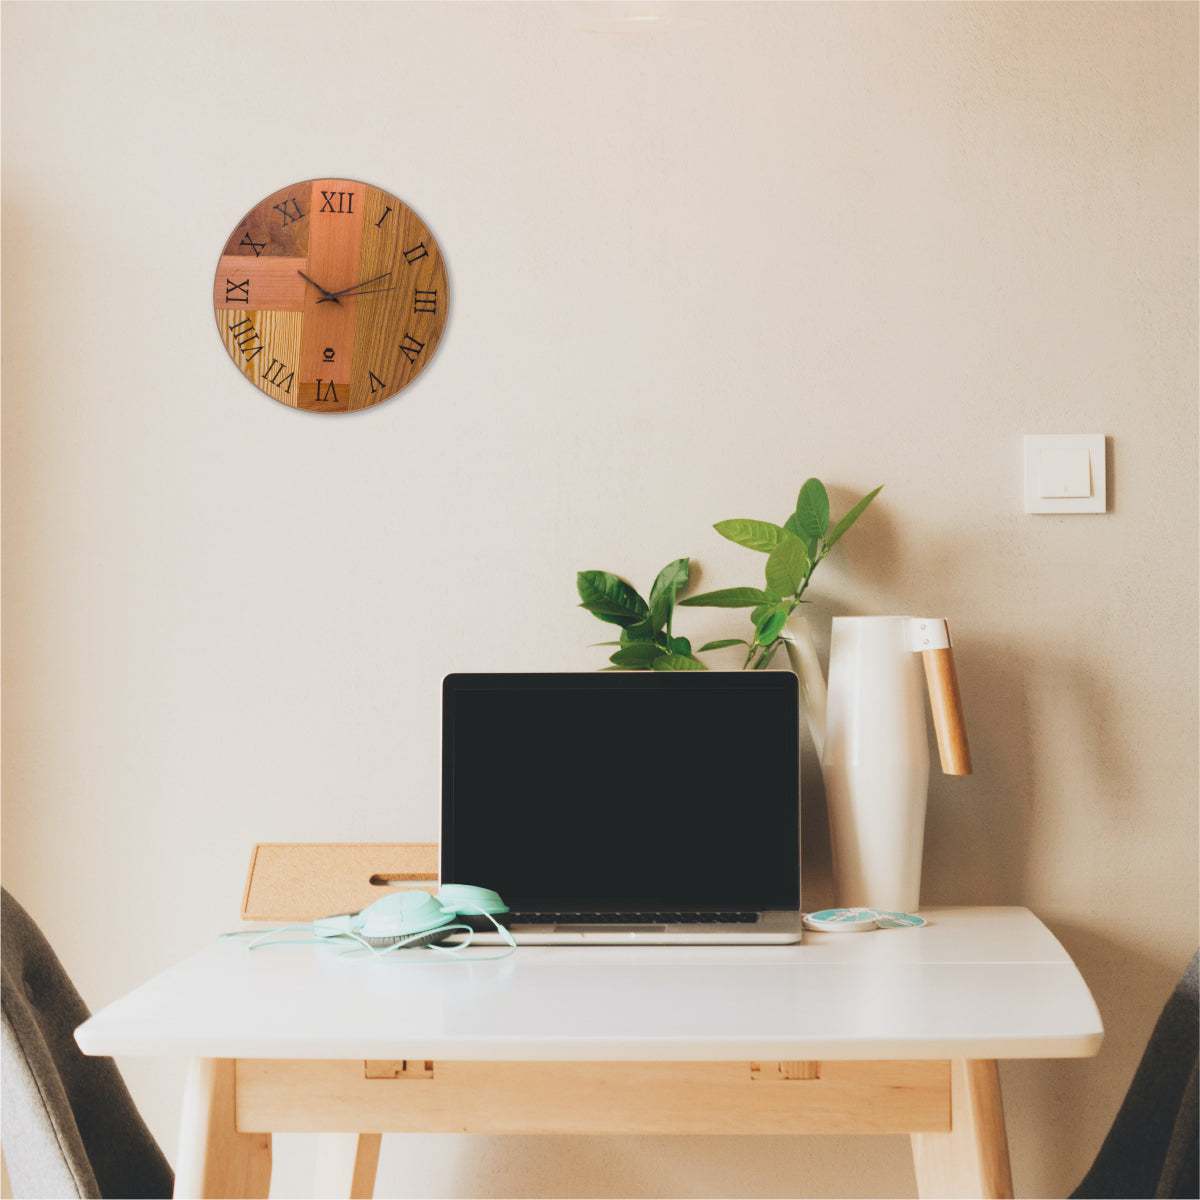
(355, 287)
(326, 295)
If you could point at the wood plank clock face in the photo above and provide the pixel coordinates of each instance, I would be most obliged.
(331, 295)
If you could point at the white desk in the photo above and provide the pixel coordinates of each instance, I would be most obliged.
(888, 1031)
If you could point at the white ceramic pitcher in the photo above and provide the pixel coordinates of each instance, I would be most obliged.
(870, 733)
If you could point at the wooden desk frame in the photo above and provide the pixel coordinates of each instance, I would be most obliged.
(952, 1109)
(939, 1010)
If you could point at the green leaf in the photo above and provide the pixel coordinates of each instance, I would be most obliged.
(792, 525)
(642, 631)
(662, 595)
(609, 598)
(812, 511)
(661, 608)
(671, 578)
(771, 627)
(852, 516)
(741, 597)
(637, 657)
(599, 612)
(754, 535)
(677, 662)
(681, 645)
(720, 645)
(788, 566)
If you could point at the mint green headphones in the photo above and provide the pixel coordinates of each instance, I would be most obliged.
(416, 918)
(409, 919)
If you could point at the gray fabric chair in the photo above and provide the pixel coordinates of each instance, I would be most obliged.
(1151, 1150)
(70, 1125)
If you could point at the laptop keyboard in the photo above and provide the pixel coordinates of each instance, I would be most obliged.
(639, 918)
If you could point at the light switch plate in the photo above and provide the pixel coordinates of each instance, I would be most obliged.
(1065, 473)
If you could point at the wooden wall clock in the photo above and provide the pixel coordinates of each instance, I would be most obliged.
(331, 295)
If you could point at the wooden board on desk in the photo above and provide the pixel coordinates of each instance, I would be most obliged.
(301, 881)
(593, 1097)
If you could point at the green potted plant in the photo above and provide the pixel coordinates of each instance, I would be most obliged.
(647, 642)
(793, 549)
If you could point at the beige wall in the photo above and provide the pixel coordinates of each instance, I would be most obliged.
(871, 243)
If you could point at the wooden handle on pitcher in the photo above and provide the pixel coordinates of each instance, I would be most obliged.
(946, 705)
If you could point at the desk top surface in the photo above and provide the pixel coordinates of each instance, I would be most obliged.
(974, 983)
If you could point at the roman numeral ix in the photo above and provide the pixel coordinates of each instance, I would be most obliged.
(237, 293)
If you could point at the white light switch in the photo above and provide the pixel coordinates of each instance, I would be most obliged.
(1064, 473)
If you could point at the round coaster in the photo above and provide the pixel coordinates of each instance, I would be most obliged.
(841, 920)
(897, 920)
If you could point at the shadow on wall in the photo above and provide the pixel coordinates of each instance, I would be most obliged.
(982, 831)
(977, 827)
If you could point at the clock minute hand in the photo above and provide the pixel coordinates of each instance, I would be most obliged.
(371, 292)
(356, 286)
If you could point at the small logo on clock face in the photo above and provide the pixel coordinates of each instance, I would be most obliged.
(329, 353)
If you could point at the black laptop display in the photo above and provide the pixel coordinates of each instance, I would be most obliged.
(619, 806)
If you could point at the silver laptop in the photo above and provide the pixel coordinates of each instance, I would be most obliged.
(625, 807)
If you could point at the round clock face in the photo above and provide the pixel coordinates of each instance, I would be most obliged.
(331, 295)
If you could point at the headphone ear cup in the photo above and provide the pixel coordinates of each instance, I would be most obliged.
(410, 941)
(404, 915)
(471, 903)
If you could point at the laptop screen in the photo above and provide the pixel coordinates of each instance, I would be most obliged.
(623, 791)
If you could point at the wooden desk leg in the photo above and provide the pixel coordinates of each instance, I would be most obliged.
(972, 1159)
(215, 1160)
(346, 1164)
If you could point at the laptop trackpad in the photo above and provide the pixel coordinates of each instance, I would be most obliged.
(606, 928)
